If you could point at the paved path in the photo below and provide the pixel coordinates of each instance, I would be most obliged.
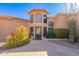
(41, 53)
(50, 47)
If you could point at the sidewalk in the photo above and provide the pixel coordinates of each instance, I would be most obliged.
(39, 53)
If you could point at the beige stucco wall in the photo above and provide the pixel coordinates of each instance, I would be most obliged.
(60, 21)
(7, 26)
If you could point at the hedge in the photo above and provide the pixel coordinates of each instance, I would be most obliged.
(61, 33)
(50, 34)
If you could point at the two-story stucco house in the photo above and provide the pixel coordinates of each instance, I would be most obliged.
(39, 22)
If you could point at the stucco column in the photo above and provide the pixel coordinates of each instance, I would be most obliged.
(47, 23)
(29, 27)
(34, 26)
(42, 26)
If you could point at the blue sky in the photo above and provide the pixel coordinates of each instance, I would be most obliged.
(21, 9)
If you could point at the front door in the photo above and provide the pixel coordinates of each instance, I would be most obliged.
(38, 33)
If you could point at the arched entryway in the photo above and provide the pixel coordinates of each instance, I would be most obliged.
(38, 23)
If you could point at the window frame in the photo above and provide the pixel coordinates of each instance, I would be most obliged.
(37, 18)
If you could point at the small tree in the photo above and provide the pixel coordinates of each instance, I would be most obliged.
(72, 31)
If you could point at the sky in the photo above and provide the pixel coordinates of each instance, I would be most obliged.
(21, 10)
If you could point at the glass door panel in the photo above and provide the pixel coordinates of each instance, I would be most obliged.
(38, 33)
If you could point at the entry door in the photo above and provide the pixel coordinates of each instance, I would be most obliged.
(38, 33)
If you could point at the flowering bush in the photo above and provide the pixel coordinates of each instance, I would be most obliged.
(17, 38)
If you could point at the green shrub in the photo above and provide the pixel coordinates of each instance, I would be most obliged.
(50, 34)
(61, 33)
(17, 38)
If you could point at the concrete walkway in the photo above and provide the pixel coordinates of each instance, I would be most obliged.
(41, 53)
(52, 49)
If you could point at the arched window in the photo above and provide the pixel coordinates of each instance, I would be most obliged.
(45, 19)
(38, 18)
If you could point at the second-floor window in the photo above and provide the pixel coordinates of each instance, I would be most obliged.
(45, 19)
(50, 23)
(38, 18)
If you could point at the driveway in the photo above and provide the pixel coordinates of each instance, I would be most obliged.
(53, 48)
